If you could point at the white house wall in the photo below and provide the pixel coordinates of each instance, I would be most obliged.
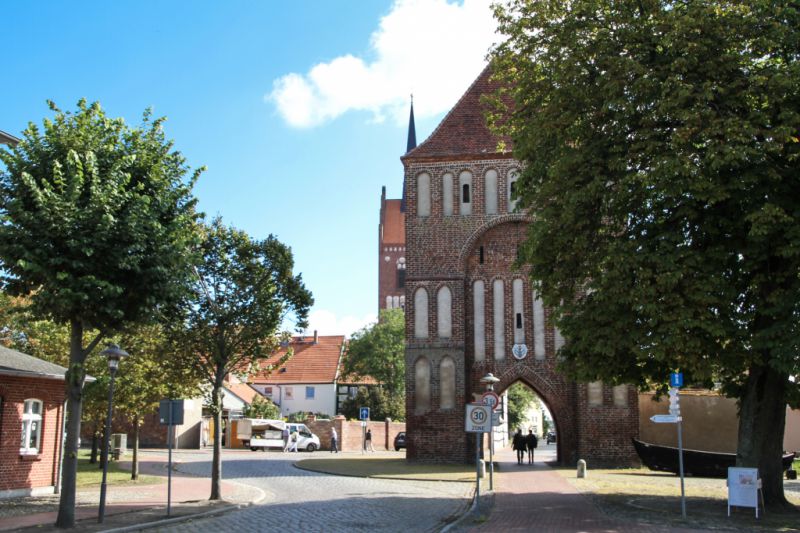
(324, 397)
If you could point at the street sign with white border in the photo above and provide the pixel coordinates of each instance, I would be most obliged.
(479, 418)
(665, 419)
(491, 399)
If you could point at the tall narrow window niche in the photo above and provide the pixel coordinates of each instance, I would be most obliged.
(519, 317)
(498, 306)
(479, 319)
(513, 176)
(538, 327)
(490, 185)
(465, 188)
(422, 385)
(444, 313)
(421, 313)
(447, 381)
(447, 194)
(424, 195)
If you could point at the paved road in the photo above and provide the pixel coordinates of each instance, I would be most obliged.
(299, 500)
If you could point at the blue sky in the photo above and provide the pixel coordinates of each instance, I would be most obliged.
(298, 109)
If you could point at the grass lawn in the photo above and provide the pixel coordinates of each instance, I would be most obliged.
(91, 474)
(642, 494)
(389, 467)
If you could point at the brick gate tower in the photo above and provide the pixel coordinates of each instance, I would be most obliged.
(469, 311)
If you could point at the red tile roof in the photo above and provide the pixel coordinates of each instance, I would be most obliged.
(394, 225)
(311, 363)
(463, 131)
(243, 391)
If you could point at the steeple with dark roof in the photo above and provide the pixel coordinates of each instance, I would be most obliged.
(412, 132)
(410, 145)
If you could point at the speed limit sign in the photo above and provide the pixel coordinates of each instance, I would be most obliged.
(479, 418)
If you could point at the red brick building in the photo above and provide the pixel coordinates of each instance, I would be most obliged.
(469, 311)
(32, 398)
(392, 241)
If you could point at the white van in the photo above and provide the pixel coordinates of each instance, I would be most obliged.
(260, 433)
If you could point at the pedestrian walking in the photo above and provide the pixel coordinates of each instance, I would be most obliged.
(518, 444)
(531, 442)
(293, 438)
(285, 437)
(334, 440)
(368, 443)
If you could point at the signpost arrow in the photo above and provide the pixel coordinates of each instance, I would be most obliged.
(665, 419)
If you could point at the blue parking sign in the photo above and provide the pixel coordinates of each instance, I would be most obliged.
(676, 379)
(363, 413)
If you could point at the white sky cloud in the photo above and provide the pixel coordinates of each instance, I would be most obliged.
(327, 323)
(431, 48)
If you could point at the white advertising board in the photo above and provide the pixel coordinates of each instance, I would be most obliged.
(743, 487)
(479, 418)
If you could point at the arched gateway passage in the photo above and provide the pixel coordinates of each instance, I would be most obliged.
(471, 311)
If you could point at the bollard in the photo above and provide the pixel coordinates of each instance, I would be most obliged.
(582, 469)
(482, 469)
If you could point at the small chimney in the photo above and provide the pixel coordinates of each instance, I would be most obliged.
(316, 337)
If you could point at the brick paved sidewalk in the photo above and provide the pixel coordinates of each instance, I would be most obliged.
(537, 498)
(128, 505)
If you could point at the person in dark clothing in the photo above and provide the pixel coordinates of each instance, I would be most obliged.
(518, 444)
(531, 442)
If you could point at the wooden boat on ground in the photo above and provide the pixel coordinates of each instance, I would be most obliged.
(695, 462)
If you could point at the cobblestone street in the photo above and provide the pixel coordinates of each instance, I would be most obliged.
(298, 500)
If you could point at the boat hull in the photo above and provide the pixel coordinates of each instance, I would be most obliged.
(696, 463)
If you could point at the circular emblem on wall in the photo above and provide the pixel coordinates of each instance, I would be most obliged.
(519, 351)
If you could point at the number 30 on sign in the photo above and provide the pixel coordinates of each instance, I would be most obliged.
(479, 418)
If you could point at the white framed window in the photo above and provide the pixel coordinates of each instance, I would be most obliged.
(31, 427)
(288, 393)
(309, 393)
(267, 391)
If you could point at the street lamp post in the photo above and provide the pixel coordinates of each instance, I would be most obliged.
(489, 380)
(114, 354)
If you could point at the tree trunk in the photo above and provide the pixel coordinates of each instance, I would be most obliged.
(135, 462)
(216, 462)
(74, 389)
(95, 443)
(762, 418)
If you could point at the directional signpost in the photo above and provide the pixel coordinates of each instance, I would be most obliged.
(665, 419)
(674, 417)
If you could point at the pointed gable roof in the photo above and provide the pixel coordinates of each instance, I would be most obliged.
(463, 133)
(311, 363)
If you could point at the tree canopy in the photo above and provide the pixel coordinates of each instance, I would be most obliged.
(243, 291)
(378, 350)
(97, 221)
(660, 149)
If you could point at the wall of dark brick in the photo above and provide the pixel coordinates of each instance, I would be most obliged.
(444, 250)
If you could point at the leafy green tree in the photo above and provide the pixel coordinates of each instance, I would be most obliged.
(243, 292)
(381, 404)
(378, 350)
(262, 408)
(520, 400)
(660, 150)
(152, 373)
(95, 222)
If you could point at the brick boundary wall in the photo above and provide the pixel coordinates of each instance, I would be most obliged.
(351, 433)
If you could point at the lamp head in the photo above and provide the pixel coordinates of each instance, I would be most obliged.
(114, 353)
(489, 380)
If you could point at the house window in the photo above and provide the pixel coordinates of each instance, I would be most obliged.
(31, 427)
(268, 391)
(401, 278)
(309, 393)
(288, 393)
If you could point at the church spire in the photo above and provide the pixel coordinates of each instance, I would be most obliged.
(412, 132)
